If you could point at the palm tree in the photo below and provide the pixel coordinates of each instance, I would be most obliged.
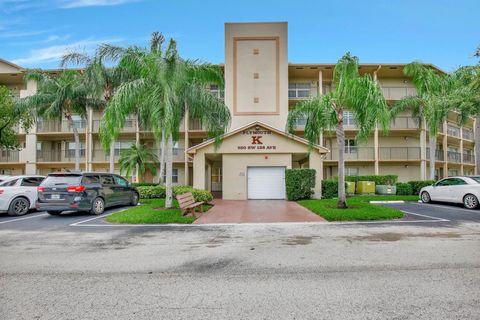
(63, 95)
(358, 94)
(166, 87)
(139, 157)
(431, 104)
(100, 80)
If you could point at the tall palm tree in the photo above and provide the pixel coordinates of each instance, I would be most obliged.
(431, 104)
(100, 80)
(140, 157)
(165, 88)
(61, 96)
(353, 92)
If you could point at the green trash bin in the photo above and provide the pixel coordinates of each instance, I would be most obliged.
(365, 187)
(386, 190)
(350, 188)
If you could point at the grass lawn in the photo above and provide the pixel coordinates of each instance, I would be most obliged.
(150, 212)
(359, 208)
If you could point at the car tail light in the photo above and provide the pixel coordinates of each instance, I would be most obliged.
(76, 189)
(40, 189)
(1, 191)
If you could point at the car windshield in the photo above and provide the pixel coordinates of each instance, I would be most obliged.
(476, 178)
(63, 180)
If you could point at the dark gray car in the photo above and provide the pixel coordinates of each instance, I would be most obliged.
(88, 191)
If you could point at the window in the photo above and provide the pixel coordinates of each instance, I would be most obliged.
(6, 172)
(107, 180)
(351, 171)
(216, 91)
(70, 152)
(122, 145)
(216, 175)
(9, 183)
(458, 182)
(350, 146)
(62, 180)
(78, 122)
(120, 181)
(299, 90)
(445, 182)
(31, 181)
(452, 172)
(90, 179)
(174, 176)
(348, 118)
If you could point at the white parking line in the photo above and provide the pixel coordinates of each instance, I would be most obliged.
(24, 218)
(446, 206)
(425, 216)
(97, 217)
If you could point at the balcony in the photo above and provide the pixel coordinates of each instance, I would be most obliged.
(195, 125)
(44, 126)
(467, 134)
(454, 157)
(438, 154)
(468, 158)
(59, 155)
(405, 123)
(9, 155)
(453, 130)
(397, 93)
(129, 125)
(399, 153)
(354, 154)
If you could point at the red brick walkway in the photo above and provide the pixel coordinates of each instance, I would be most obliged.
(256, 211)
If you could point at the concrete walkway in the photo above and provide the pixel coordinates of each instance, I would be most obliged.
(256, 211)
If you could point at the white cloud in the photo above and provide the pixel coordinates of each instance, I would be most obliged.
(55, 53)
(67, 4)
(21, 34)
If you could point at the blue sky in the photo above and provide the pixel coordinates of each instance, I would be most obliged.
(445, 33)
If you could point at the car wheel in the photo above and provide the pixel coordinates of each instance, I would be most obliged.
(470, 201)
(54, 213)
(425, 196)
(134, 200)
(18, 207)
(98, 206)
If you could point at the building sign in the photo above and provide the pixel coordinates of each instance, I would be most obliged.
(256, 140)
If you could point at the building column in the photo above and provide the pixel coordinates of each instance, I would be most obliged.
(375, 139)
(423, 152)
(316, 162)
(320, 82)
(199, 171)
(476, 135)
(29, 153)
(445, 150)
(461, 151)
(137, 143)
(186, 124)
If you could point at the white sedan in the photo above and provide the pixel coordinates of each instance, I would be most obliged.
(18, 194)
(464, 190)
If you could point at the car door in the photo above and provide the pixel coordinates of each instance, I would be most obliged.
(457, 190)
(108, 188)
(28, 186)
(122, 190)
(441, 189)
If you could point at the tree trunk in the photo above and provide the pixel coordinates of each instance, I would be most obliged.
(477, 144)
(137, 143)
(76, 137)
(432, 144)
(112, 157)
(169, 167)
(162, 159)
(342, 199)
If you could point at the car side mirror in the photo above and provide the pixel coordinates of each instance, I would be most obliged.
(129, 184)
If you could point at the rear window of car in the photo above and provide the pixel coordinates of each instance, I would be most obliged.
(9, 183)
(64, 180)
(477, 179)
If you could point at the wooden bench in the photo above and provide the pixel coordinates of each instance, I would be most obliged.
(187, 204)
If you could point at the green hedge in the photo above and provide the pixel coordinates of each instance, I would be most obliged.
(329, 189)
(417, 185)
(299, 183)
(404, 189)
(158, 192)
(144, 184)
(389, 179)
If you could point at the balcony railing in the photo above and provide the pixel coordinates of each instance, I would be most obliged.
(438, 154)
(299, 90)
(195, 125)
(405, 123)
(129, 125)
(468, 158)
(467, 134)
(9, 155)
(453, 130)
(397, 93)
(399, 153)
(453, 156)
(59, 155)
(354, 153)
(60, 126)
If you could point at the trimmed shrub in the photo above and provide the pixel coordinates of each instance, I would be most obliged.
(144, 184)
(404, 189)
(151, 192)
(417, 185)
(329, 189)
(389, 179)
(299, 183)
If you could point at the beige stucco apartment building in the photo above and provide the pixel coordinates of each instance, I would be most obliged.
(261, 86)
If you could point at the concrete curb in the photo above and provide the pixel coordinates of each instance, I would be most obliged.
(386, 201)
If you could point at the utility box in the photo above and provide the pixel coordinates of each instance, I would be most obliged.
(366, 187)
(350, 188)
(386, 190)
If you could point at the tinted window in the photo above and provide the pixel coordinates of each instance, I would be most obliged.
(66, 180)
(107, 180)
(90, 179)
(458, 182)
(476, 178)
(31, 182)
(120, 181)
(445, 182)
(9, 183)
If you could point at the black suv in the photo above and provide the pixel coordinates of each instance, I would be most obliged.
(88, 191)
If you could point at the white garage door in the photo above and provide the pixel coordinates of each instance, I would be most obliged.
(266, 182)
